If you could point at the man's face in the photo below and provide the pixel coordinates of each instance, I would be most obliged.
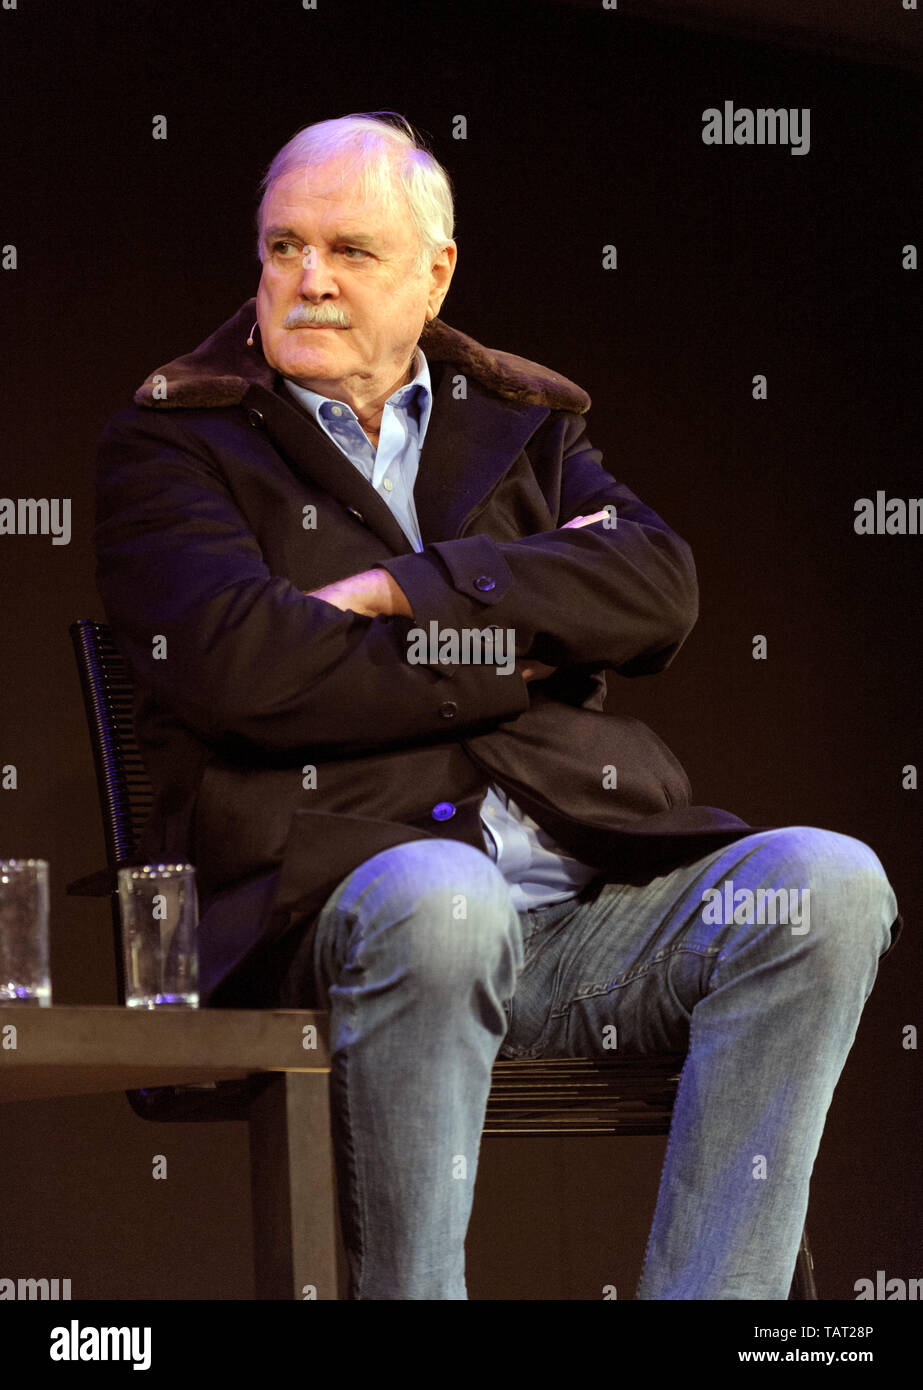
(357, 279)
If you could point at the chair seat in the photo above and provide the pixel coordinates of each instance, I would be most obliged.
(573, 1095)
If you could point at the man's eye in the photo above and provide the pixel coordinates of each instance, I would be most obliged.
(354, 250)
(281, 246)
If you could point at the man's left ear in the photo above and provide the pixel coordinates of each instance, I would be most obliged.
(441, 290)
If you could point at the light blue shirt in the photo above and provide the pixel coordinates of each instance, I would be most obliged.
(537, 870)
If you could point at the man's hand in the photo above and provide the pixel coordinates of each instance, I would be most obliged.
(371, 594)
(585, 520)
(532, 670)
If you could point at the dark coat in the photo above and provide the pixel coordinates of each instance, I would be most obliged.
(201, 540)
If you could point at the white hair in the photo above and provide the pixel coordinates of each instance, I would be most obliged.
(389, 159)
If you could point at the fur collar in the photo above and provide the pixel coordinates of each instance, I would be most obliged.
(221, 370)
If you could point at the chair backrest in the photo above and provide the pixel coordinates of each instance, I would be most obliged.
(125, 792)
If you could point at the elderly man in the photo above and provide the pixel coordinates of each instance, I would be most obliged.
(452, 845)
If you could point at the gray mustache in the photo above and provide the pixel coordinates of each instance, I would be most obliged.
(306, 315)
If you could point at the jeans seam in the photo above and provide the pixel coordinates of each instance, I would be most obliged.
(352, 1195)
(666, 1157)
(593, 991)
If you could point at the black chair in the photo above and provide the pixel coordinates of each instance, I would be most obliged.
(551, 1096)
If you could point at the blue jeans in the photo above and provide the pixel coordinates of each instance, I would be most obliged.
(430, 973)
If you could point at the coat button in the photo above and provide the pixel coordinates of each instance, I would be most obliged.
(448, 709)
(443, 810)
(483, 581)
(256, 418)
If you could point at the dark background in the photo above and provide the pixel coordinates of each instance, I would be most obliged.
(584, 128)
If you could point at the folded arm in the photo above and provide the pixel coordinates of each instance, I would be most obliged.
(622, 596)
(375, 593)
(247, 654)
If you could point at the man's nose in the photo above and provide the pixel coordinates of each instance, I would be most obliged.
(316, 277)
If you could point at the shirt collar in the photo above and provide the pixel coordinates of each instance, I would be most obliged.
(399, 399)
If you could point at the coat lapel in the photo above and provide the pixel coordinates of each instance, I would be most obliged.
(316, 458)
(470, 444)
